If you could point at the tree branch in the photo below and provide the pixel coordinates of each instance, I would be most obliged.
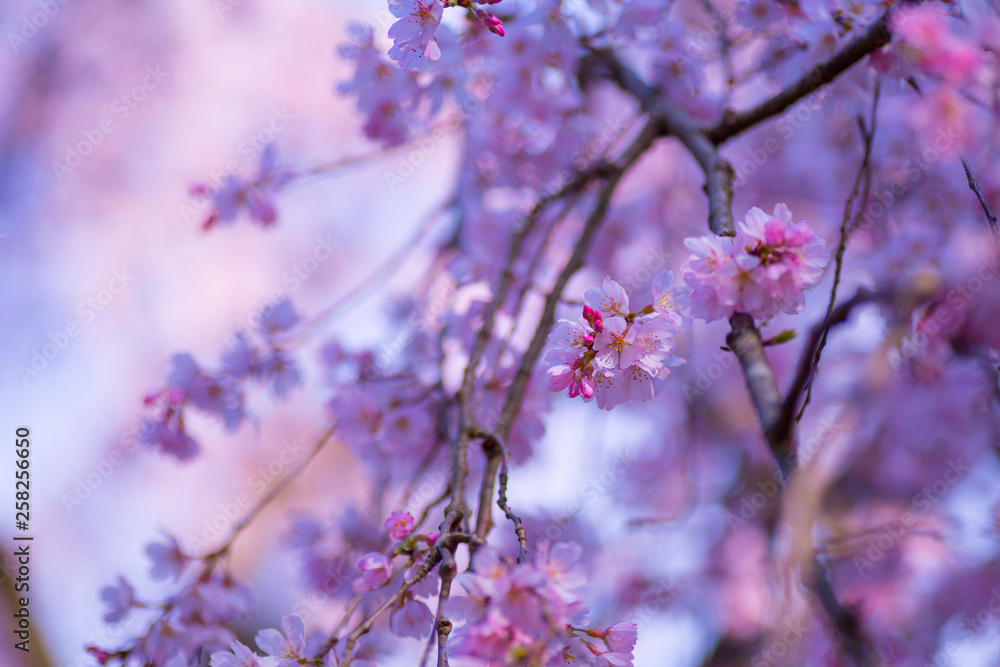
(874, 37)
(748, 345)
(991, 218)
(675, 122)
(781, 428)
(846, 224)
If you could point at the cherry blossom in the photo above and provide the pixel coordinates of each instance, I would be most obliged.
(711, 274)
(399, 524)
(377, 569)
(255, 195)
(288, 645)
(763, 270)
(615, 358)
(413, 33)
(120, 600)
(777, 261)
(413, 619)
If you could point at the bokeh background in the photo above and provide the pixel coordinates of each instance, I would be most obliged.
(103, 261)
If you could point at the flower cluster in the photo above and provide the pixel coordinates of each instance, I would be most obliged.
(527, 614)
(763, 270)
(611, 353)
(221, 394)
(410, 617)
(194, 619)
(256, 194)
(283, 648)
(413, 35)
(926, 40)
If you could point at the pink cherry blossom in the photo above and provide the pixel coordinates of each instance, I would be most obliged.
(120, 599)
(288, 645)
(413, 619)
(169, 561)
(925, 37)
(777, 261)
(612, 353)
(400, 525)
(711, 274)
(413, 33)
(610, 299)
(255, 194)
(377, 569)
(763, 270)
(238, 656)
(621, 637)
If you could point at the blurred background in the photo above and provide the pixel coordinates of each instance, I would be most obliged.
(109, 112)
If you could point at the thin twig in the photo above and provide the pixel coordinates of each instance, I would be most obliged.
(519, 532)
(991, 218)
(271, 495)
(782, 426)
(874, 37)
(846, 225)
(496, 460)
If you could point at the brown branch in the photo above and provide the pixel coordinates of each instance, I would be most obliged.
(846, 225)
(519, 384)
(874, 37)
(748, 345)
(496, 458)
(991, 218)
(442, 625)
(845, 619)
(522, 536)
(210, 558)
(494, 455)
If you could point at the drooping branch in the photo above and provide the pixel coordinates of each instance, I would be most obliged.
(496, 459)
